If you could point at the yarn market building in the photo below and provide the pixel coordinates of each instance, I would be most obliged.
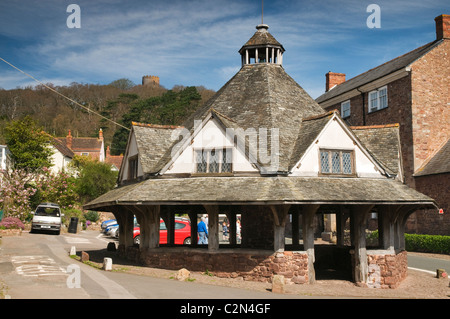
(263, 152)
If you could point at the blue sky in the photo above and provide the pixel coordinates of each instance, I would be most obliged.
(196, 42)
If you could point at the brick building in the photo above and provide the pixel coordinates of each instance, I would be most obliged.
(412, 91)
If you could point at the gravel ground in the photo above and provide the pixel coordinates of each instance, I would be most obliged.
(418, 285)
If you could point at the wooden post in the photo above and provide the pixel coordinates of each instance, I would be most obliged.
(295, 226)
(308, 214)
(153, 220)
(359, 215)
(213, 227)
(193, 217)
(279, 224)
(126, 227)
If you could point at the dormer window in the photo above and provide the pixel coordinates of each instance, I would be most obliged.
(133, 167)
(337, 162)
(213, 161)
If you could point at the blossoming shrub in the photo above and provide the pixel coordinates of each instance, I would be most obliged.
(56, 188)
(11, 223)
(16, 189)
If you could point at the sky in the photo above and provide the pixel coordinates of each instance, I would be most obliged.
(196, 42)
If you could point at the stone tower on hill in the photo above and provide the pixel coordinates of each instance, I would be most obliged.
(150, 80)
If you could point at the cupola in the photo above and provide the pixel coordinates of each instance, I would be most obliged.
(262, 48)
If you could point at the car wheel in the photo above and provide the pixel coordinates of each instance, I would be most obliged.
(137, 239)
(187, 241)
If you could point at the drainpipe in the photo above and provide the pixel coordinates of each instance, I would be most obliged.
(363, 106)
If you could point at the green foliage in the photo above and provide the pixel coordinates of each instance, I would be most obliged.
(92, 216)
(428, 243)
(94, 179)
(171, 108)
(28, 144)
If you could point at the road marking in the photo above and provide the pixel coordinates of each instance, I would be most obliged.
(77, 240)
(33, 266)
(423, 270)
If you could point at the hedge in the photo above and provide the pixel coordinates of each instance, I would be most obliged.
(427, 243)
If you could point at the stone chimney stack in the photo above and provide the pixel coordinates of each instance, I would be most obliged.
(69, 140)
(442, 26)
(333, 79)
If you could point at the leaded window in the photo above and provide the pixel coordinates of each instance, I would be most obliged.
(213, 160)
(336, 162)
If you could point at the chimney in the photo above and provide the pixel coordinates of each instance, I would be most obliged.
(442, 26)
(69, 140)
(100, 134)
(333, 79)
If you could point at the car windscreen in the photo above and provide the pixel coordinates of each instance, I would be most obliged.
(47, 211)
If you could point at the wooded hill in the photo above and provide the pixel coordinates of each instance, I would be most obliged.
(120, 101)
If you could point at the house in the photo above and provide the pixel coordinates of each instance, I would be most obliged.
(5, 158)
(65, 148)
(61, 156)
(411, 90)
(93, 147)
(114, 160)
(261, 148)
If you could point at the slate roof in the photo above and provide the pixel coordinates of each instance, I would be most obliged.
(264, 96)
(262, 190)
(154, 143)
(262, 38)
(258, 96)
(62, 147)
(379, 71)
(438, 164)
(383, 143)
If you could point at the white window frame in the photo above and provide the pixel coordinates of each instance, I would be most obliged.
(377, 101)
(345, 107)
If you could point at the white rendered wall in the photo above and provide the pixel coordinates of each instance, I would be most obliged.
(211, 136)
(334, 136)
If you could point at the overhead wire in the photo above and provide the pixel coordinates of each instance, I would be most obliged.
(59, 93)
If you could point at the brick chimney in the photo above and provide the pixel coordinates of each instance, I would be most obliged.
(100, 134)
(442, 26)
(69, 140)
(333, 79)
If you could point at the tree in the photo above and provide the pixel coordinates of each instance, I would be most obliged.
(94, 178)
(123, 84)
(29, 145)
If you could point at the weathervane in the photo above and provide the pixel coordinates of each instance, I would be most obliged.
(262, 11)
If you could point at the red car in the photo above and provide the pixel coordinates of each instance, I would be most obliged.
(182, 232)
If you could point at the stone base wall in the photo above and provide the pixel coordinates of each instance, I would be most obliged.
(387, 270)
(247, 264)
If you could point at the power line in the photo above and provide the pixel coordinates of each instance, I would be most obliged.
(68, 98)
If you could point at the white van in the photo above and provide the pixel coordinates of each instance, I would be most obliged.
(47, 217)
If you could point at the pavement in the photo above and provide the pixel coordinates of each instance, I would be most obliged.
(38, 266)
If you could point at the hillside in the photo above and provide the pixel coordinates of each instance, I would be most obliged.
(121, 101)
